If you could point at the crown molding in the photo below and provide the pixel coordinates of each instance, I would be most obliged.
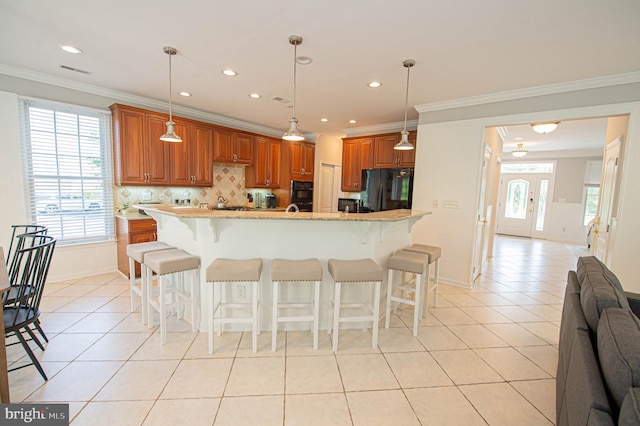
(550, 89)
(380, 128)
(143, 102)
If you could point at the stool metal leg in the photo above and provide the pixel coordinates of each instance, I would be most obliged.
(274, 322)
(336, 315)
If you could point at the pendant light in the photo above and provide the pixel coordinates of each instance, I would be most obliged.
(519, 151)
(404, 144)
(293, 134)
(170, 136)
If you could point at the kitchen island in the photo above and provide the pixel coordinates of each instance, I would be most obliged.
(266, 234)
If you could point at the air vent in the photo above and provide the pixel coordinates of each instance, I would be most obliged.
(279, 99)
(68, 68)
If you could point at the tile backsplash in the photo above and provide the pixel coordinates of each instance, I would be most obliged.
(228, 181)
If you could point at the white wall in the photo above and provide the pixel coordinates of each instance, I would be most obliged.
(68, 261)
(448, 159)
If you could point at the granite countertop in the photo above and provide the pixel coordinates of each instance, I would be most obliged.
(268, 214)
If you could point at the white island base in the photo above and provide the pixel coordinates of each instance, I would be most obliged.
(269, 235)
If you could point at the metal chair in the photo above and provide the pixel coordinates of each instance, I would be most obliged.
(29, 274)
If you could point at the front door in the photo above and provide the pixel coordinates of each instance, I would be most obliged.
(523, 204)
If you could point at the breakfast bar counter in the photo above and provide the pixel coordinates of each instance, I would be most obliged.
(212, 234)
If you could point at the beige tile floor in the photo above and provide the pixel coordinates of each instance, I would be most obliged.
(485, 355)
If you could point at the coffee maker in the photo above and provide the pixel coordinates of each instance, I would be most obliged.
(271, 201)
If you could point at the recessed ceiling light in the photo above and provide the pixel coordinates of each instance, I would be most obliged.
(255, 96)
(70, 49)
(229, 72)
(185, 94)
(304, 60)
(375, 84)
(352, 121)
(518, 139)
(324, 120)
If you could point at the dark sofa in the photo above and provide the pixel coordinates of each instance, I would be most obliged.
(598, 377)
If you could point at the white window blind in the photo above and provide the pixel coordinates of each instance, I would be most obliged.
(592, 173)
(68, 165)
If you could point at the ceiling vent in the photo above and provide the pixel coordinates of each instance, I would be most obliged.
(68, 68)
(282, 100)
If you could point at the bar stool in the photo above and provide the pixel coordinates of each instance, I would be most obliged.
(230, 271)
(414, 263)
(434, 254)
(355, 271)
(176, 264)
(136, 253)
(296, 271)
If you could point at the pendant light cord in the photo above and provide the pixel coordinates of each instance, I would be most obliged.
(406, 100)
(170, 91)
(295, 50)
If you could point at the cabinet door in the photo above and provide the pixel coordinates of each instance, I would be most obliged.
(350, 166)
(202, 155)
(242, 148)
(295, 158)
(223, 145)
(384, 155)
(128, 131)
(365, 153)
(274, 162)
(157, 165)
(408, 158)
(180, 154)
(308, 158)
(260, 165)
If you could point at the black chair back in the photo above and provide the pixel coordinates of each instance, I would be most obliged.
(16, 243)
(28, 275)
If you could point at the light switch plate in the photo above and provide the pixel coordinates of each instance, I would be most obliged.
(435, 203)
(450, 204)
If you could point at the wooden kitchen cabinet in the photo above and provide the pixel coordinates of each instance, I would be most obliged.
(230, 146)
(192, 160)
(302, 157)
(132, 231)
(357, 155)
(386, 157)
(265, 172)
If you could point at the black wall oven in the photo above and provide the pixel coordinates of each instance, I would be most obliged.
(302, 195)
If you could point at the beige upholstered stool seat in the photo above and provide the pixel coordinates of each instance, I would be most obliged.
(233, 271)
(356, 271)
(136, 253)
(295, 271)
(414, 263)
(177, 264)
(229, 270)
(434, 253)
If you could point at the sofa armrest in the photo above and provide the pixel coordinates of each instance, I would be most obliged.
(634, 302)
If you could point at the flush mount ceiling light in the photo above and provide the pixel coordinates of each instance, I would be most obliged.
(185, 94)
(375, 84)
(293, 134)
(519, 151)
(543, 128)
(170, 136)
(404, 144)
(352, 121)
(229, 72)
(324, 120)
(255, 95)
(70, 49)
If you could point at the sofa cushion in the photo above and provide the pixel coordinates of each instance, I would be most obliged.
(586, 393)
(598, 291)
(590, 265)
(619, 351)
(572, 320)
(630, 410)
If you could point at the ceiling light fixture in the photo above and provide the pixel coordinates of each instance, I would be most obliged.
(229, 72)
(255, 95)
(70, 49)
(352, 121)
(293, 134)
(375, 84)
(170, 136)
(547, 127)
(185, 94)
(324, 120)
(519, 151)
(404, 144)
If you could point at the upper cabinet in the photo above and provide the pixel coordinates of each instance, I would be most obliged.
(357, 155)
(231, 146)
(265, 172)
(141, 158)
(302, 157)
(386, 157)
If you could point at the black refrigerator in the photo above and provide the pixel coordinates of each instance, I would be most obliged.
(387, 189)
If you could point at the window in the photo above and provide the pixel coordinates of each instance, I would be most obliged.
(517, 192)
(591, 190)
(526, 168)
(68, 167)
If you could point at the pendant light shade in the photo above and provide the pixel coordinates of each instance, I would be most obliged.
(519, 152)
(170, 136)
(293, 134)
(545, 127)
(404, 144)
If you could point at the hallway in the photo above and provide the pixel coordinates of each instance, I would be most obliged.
(485, 355)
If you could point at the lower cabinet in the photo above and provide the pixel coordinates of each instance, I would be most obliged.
(132, 231)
